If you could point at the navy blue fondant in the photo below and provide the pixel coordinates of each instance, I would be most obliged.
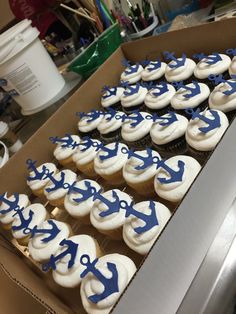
(131, 90)
(113, 206)
(36, 174)
(51, 232)
(211, 123)
(108, 91)
(231, 51)
(175, 176)
(86, 193)
(178, 62)
(166, 120)
(162, 88)
(87, 142)
(12, 205)
(195, 90)
(24, 221)
(110, 152)
(65, 141)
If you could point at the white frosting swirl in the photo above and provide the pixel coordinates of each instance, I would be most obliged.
(39, 215)
(39, 184)
(70, 177)
(84, 125)
(8, 218)
(70, 278)
(113, 164)
(132, 77)
(154, 74)
(142, 243)
(61, 153)
(161, 101)
(82, 208)
(180, 73)
(203, 69)
(232, 67)
(133, 175)
(112, 99)
(135, 99)
(175, 191)
(108, 125)
(113, 221)
(165, 134)
(181, 102)
(218, 100)
(130, 133)
(205, 141)
(91, 285)
(83, 157)
(41, 251)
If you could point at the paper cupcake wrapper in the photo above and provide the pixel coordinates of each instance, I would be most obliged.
(160, 112)
(145, 188)
(176, 147)
(202, 106)
(129, 110)
(117, 106)
(231, 115)
(142, 143)
(201, 156)
(93, 134)
(111, 137)
(88, 169)
(115, 179)
(115, 234)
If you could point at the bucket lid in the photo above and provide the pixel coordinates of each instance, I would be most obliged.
(16, 38)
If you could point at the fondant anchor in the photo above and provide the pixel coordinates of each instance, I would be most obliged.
(24, 222)
(110, 284)
(111, 113)
(212, 123)
(87, 142)
(110, 152)
(167, 120)
(71, 250)
(217, 79)
(146, 160)
(91, 116)
(178, 62)
(195, 90)
(88, 192)
(175, 176)
(231, 51)
(154, 65)
(131, 90)
(113, 207)
(57, 184)
(130, 68)
(162, 88)
(52, 232)
(37, 175)
(108, 91)
(12, 205)
(137, 117)
(65, 142)
(210, 59)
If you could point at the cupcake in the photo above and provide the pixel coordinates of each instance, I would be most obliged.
(193, 95)
(66, 146)
(46, 238)
(174, 177)
(107, 214)
(223, 98)
(139, 171)
(133, 98)
(65, 263)
(179, 69)
(79, 201)
(232, 67)
(25, 219)
(204, 132)
(158, 98)
(38, 177)
(110, 161)
(168, 134)
(110, 126)
(154, 71)
(139, 233)
(8, 207)
(58, 186)
(84, 156)
(97, 296)
(135, 130)
(214, 63)
(132, 73)
(111, 97)
(88, 123)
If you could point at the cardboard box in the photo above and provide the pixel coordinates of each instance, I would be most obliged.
(163, 279)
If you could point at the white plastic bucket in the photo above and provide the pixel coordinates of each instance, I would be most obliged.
(26, 70)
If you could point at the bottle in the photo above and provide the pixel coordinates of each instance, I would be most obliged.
(9, 138)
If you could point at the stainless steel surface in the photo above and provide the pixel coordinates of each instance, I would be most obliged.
(214, 287)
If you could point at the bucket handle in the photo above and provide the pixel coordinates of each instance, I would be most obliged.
(5, 52)
(5, 157)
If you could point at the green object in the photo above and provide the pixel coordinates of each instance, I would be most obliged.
(96, 53)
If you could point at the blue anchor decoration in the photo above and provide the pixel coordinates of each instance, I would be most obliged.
(24, 222)
(113, 207)
(199, 56)
(217, 79)
(71, 250)
(111, 114)
(146, 160)
(110, 284)
(212, 123)
(231, 51)
(210, 59)
(193, 90)
(110, 152)
(154, 65)
(86, 193)
(137, 118)
(37, 175)
(12, 205)
(124, 84)
(131, 90)
(65, 141)
(178, 62)
(148, 85)
(165, 120)
(52, 232)
(87, 143)
(58, 184)
(149, 220)
(108, 91)
(91, 116)
(162, 88)
(175, 176)
(130, 68)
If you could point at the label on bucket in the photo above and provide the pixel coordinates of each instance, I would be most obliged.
(22, 79)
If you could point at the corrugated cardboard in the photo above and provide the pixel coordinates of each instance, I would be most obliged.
(161, 283)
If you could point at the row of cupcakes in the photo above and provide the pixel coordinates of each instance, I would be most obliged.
(75, 260)
(162, 97)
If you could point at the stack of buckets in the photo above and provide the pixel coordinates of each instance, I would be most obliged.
(27, 72)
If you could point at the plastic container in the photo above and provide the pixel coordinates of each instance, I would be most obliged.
(4, 155)
(9, 138)
(27, 72)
